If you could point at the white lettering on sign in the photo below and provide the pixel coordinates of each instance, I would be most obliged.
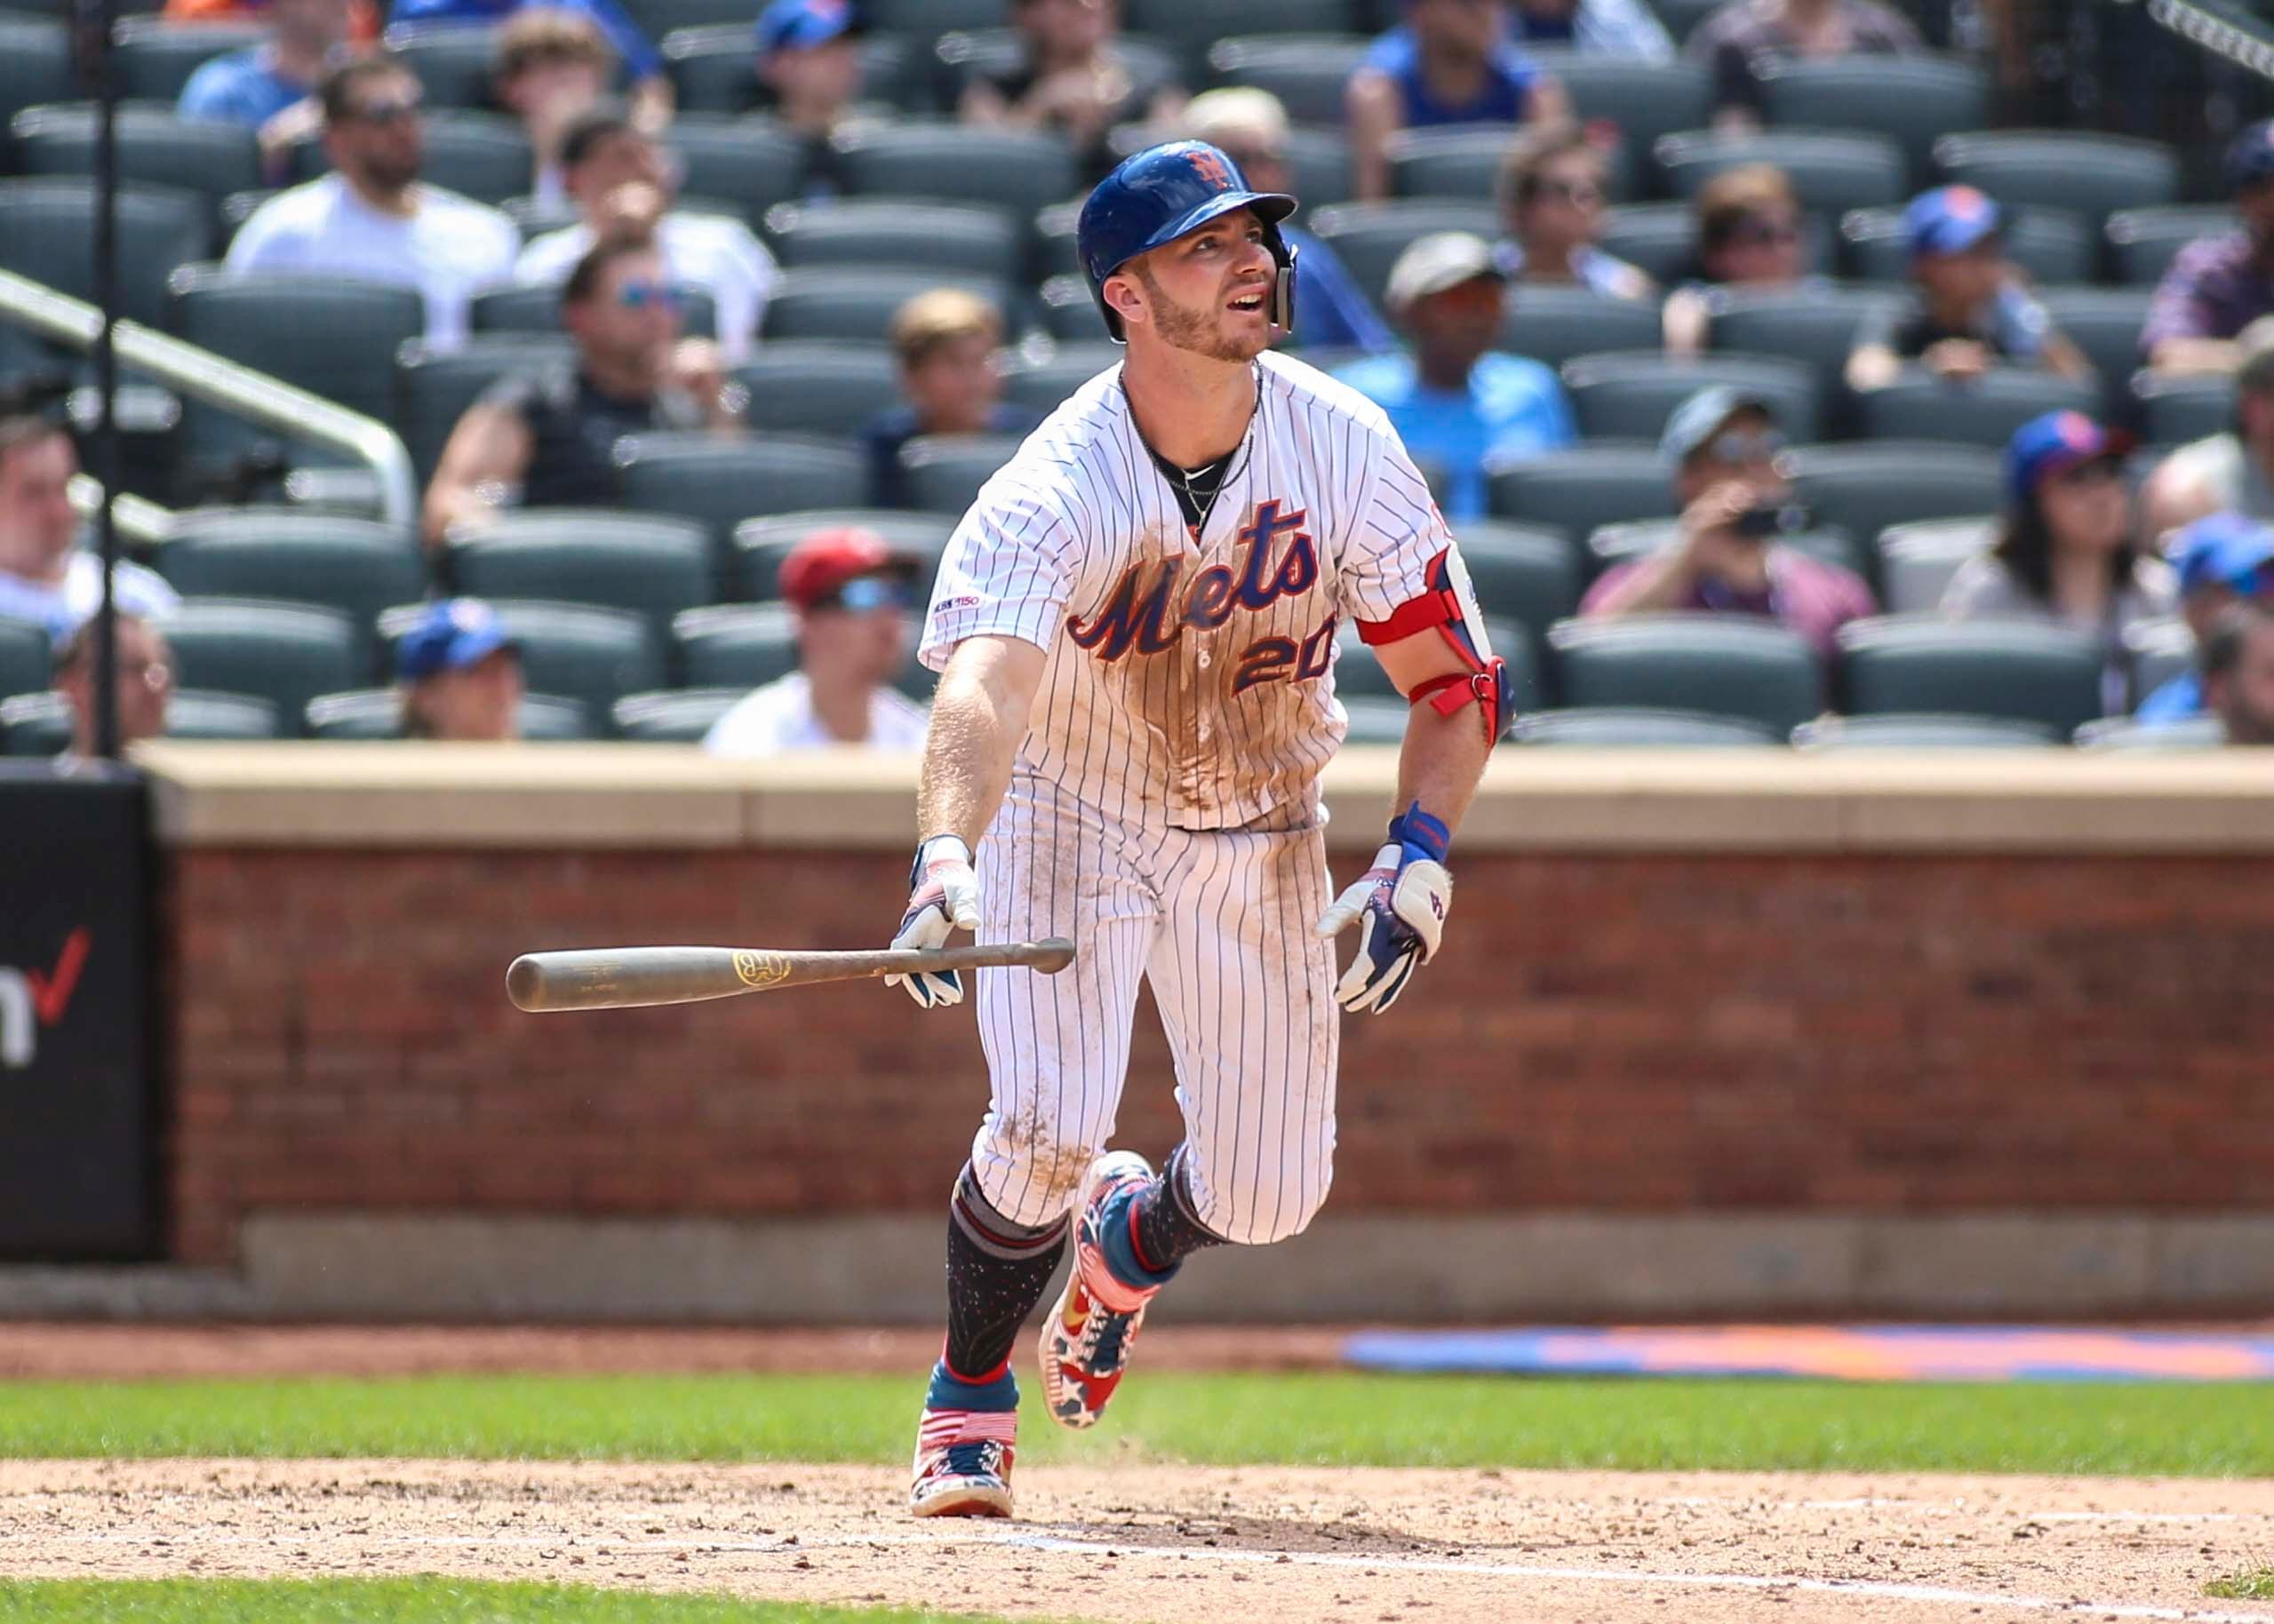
(15, 1020)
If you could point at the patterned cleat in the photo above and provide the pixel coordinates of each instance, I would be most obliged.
(963, 1454)
(1086, 1340)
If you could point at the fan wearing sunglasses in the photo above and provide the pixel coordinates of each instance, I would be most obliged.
(547, 438)
(852, 596)
(1552, 201)
(1749, 241)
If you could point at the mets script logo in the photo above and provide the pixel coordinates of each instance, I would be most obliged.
(1210, 167)
(1148, 610)
(30, 999)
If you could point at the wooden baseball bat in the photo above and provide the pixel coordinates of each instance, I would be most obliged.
(633, 977)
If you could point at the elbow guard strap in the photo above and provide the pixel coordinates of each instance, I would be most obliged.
(1445, 606)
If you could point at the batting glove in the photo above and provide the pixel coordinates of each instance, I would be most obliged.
(1398, 905)
(944, 897)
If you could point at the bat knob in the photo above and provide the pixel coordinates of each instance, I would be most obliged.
(525, 983)
(1056, 953)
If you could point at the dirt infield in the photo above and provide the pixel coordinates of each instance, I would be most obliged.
(1154, 1545)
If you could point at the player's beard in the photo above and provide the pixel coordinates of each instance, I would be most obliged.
(1198, 331)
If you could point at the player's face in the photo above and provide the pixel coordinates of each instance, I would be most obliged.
(1209, 292)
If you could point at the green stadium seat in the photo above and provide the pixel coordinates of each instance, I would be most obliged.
(34, 725)
(1723, 664)
(1462, 163)
(153, 58)
(455, 64)
(2174, 410)
(1018, 172)
(35, 66)
(1660, 238)
(651, 564)
(2122, 733)
(50, 237)
(1922, 731)
(433, 388)
(1359, 675)
(1619, 543)
(760, 545)
(720, 482)
(1629, 394)
(376, 713)
(1813, 325)
(578, 652)
(285, 652)
(2091, 174)
(2052, 245)
(1645, 101)
(844, 302)
(1368, 237)
(1069, 311)
(356, 566)
(1041, 383)
(2159, 650)
(533, 310)
(1918, 559)
(1190, 27)
(195, 714)
(659, 18)
(2105, 322)
(1912, 98)
(26, 658)
(751, 162)
(2141, 242)
(877, 232)
(1584, 487)
(674, 716)
(1864, 488)
(1525, 573)
(1983, 411)
(818, 386)
(1552, 325)
(942, 474)
(735, 645)
(483, 155)
(1308, 73)
(1611, 727)
(2024, 671)
(1831, 171)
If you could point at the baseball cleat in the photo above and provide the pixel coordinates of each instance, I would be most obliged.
(1087, 1338)
(963, 1463)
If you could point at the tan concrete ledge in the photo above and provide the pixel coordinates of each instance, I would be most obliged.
(1735, 801)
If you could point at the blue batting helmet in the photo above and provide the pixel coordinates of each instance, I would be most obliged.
(1156, 197)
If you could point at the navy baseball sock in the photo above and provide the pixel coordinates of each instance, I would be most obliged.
(1167, 1230)
(997, 1272)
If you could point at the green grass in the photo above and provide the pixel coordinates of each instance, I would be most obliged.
(2256, 1586)
(402, 1601)
(1320, 1419)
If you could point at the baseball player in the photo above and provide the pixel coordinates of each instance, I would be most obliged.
(1135, 627)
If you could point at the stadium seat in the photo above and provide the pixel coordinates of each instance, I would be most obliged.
(2142, 242)
(752, 163)
(651, 564)
(1619, 543)
(1359, 675)
(285, 652)
(1629, 394)
(194, 713)
(2092, 174)
(943, 472)
(26, 658)
(2160, 650)
(455, 65)
(1723, 664)
(923, 19)
(1307, 75)
(1070, 312)
(1864, 488)
(2052, 245)
(1040, 383)
(433, 388)
(2174, 410)
(659, 19)
(735, 645)
(1911, 99)
(35, 65)
(674, 716)
(534, 309)
(329, 334)
(817, 386)
(1552, 325)
(1018, 172)
(2122, 733)
(1831, 171)
(874, 232)
(578, 652)
(720, 482)
(34, 725)
(2105, 322)
(1918, 559)
(1611, 727)
(1521, 572)
(1054, 250)
(1644, 101)
(356, 566)
(50, 237)
(760, 545)
(154, 148)
(1368, 237)
(1189, 27)
(1814, 325)
(2023, 670)
(1580, 488)
(713, 69)
(1681, 17)
(999, 53)
(482, 155)
(1983, 411)
(1922, 731)
(376, 713)
(833, 301)
(1460, 162)
(154, 57)
(1660, 238)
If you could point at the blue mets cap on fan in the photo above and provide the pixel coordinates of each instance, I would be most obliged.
(1156, 197)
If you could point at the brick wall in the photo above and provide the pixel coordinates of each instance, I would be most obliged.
(1637, 1033)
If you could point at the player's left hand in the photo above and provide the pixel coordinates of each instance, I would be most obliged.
(1400, 906)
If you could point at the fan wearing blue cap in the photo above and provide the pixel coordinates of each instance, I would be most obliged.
(809, 56)
(1968, 311)
(460, 673)
(2219, 284)
(2221, 561)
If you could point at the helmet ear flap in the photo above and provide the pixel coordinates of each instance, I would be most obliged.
(1283, 286)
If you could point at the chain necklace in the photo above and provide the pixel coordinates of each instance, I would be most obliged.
(1197, 489)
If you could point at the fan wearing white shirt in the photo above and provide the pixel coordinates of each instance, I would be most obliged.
(46, 578)
(372, 218)
(610, 166)
(850, 593)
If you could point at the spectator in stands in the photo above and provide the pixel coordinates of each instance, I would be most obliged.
(621, 185)
(1594, 27)
(1552, 202)
(1456, 402)
(363, 15)
(2063, 552)
(851, 596)
(1450, 63)
(2220, 560)
(272, 86)
(651, 92)
(1726, 459)
(45, 576)
(2228, 471)
(143, 685)
(1749, 240)
(1742, 37)
(372, 218)
(1249, 127)
(551, 68)
(1970, 312)
(1072, 79)
(2238, 672)
(547, 438)
(810, 57)
(459, 675)
(946, 341)
(2218, 285)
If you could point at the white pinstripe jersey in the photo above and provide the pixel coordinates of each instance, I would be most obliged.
(1190, 679)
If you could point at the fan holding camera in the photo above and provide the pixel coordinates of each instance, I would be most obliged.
(1727, 554)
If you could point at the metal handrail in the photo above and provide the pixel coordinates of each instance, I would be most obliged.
(222, 382)
(138, 519)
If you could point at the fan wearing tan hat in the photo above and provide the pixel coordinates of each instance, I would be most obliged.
(1456, 401)
(851, 596)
